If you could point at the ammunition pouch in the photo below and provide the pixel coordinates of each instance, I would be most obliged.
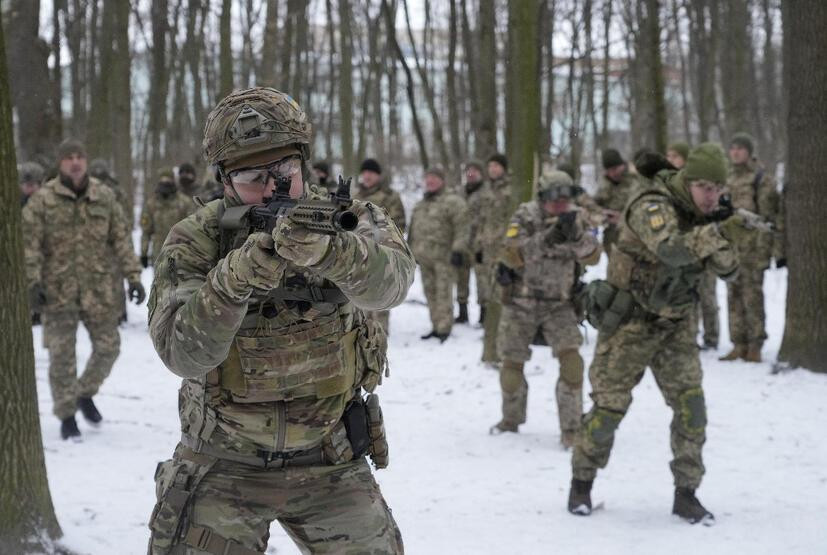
(376, 429)
(371, 354)
(607, 307)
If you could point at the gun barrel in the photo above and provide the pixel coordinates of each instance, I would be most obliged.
(754, 221)
(323, 217)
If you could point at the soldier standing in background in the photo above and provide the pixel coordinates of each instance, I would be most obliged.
(321, 172)
(751, 188)
(30, 176)
(165, 208)
(616, 186)
(438, 236)
(489, 236)
(376, 190)
(187, 184)
(476, 193)
(644, 316)
(72, 224)
(544, 244)
(268, 332)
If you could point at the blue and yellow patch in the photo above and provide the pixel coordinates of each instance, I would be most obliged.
(512, 231)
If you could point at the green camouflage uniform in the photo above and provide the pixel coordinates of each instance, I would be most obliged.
(475, 196)
(614, 196)
(70, 241)
(709, 308)
(157, 218)
(273, 374)
(386, 198)
(746, 294)
(663, 248)
(439, 226)
(539, 301)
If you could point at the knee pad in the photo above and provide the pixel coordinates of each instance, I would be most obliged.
(692, 408)
(571, 368)
(601, 424)
(511, 376)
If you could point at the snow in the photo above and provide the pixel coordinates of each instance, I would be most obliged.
(456, 489)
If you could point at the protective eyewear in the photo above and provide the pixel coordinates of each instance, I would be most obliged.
(556, 193)
(260, 176)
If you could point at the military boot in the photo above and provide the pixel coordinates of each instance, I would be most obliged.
(89, 410)
(580, 497)
(429, 335)
(690, 509)
(738, 351)
(463, 314)
(69, 428)
(515, 398)
(753, 353)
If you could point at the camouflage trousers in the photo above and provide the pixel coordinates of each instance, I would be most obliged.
(521, 320)
(745, 303)
(668, 347)
(493, 309)
(206, 505)
(483, 281)
(381, 316)
(60, 336)
(438, 281)
(709, 307)
(118, 291)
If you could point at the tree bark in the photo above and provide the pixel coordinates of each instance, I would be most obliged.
(269, 44)
(27, 517)
(656, 76)
(805, 331)
(158, 87)
(122, 106)
(225, 52)
(346, 87)
(451, 89)
(487, 80)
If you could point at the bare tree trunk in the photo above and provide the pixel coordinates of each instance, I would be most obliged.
(57, 74)
(225, 54)
(604, 131)
(192, 53)
(297, 79)
(346, 87)
(331, 78)
(451, 89)
(735, 66)
(122, 105)
(27, 517)
(656, 75)
(687, 132)
(469, 49)
(269, 44)
(159, 86)
(75, 26)
(487, 79)
(100, 129)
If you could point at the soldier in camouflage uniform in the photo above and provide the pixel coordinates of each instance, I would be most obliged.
(30, 176)
(374, 189)
(616, 186)
(71, 225)
(438, 236)
(165, 208)
(269, 334)
(751, 188)
(476, 191)
(492, 222)
(543, 246)
(188, 186)
(322, 179)
(644, 315)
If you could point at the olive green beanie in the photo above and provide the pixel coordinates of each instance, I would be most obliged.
(165, 172)
(681, 148)
(706, 161)
(744, 140)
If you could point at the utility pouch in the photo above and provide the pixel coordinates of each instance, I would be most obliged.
(371, 354)
(356, 424)
(376, 428)
(336, 446)
(607, 307)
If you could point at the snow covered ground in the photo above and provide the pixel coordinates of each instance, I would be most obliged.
(455, 489)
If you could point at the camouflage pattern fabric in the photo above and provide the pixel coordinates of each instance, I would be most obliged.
(476, 198)
(463, 274)
(709, 308)
(386, 198)
(157, 218)
(325, 509)
(439, 226)
(614, 196)
(745, 306)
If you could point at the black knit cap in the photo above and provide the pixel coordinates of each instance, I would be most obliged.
(611, 158)
(322, 166)
(69, 147)
(186, 167)
(371, 165)
(500, 159)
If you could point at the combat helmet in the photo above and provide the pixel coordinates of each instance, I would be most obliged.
(30, 172)
(254, 120)
(556, 184)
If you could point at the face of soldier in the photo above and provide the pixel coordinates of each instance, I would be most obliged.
(473, 174)
(557, 206)
(738, 154)
(495, 170)
(369, 179)
(186, 178)
(253, 185)
(615, 173)
(705, 195)
(675, 159)
(433, 183)
(29, 188)
(74, 167)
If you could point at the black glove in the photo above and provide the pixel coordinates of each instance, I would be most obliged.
(144, 261)
(724, 209)
(780, 262)
(457, 259)
(505, 275)
(137, 292)
(564, 230)
(478, 257)
(37, 297)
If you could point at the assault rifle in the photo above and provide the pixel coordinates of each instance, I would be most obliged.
(327, 217)
(751, 219)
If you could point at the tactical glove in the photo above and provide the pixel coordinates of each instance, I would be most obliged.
(734, 229)
(564, 230)
(478, 257)
(780, 262)
(298, 245)
(254, 265)
(137, 292)
(37, 297)
(457, 259)
(505, 275)
(144, 261)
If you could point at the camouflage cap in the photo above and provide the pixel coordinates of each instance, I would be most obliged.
(436, 171)
(474, 164)
(706, 161)
(30, 172)
(567, 168)
(254, 120)
(68, 147)
(610, 158)
(744, 140)
(166, 172)
(555, 184)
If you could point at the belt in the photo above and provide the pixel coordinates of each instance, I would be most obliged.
(262, 459)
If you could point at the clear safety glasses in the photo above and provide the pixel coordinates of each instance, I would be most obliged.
(260, 176)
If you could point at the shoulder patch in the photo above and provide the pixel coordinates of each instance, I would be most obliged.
(512, 231)
(655, 214)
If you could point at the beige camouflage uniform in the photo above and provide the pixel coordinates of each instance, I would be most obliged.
(157, 218)
(475, 197)
(663, 248)
(614, 196)
(439, 226)
(539, 301)
(69, 244)
(389, 200)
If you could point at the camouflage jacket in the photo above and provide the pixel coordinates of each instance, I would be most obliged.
(614, 196)
(475, 198)
(756, 193)
(545, 271)
(386, 198)
(70, 243)
(274, 372)
(495, 213)
(664, 246)
(157, 218)
(439, 226)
